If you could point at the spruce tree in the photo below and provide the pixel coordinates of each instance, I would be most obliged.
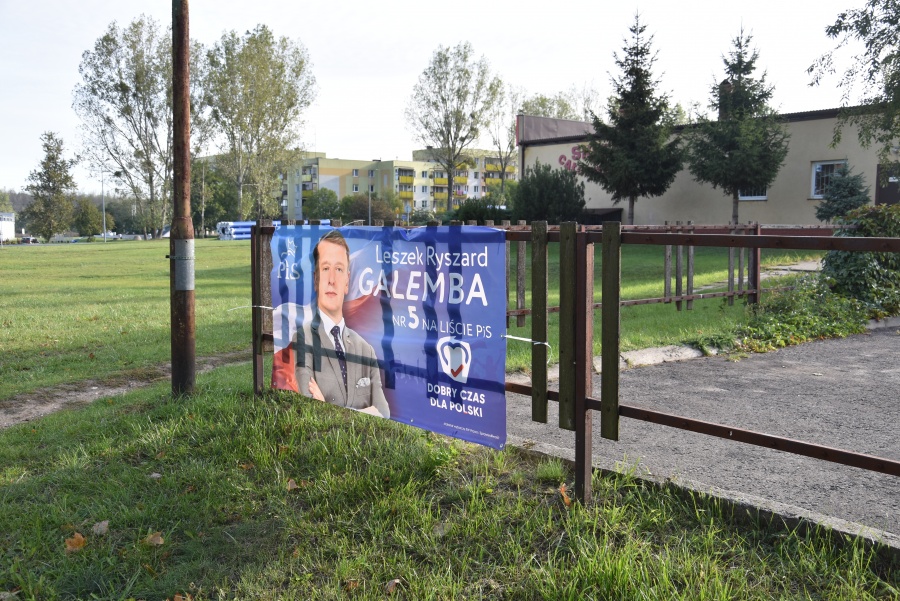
(844, 192)
(745, 148)
(52, 187)
(634, 156)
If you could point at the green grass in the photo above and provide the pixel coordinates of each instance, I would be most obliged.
(73, 311)
(374, 501)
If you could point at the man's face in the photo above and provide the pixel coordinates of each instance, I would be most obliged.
(332, 279)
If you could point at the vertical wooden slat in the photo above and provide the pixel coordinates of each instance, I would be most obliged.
(505, 225)
(265, 288)
(609, 340)
(679, 269)
(731, 270)
(539, 329)
(584, 361)
(520, 280)
(690, 268)
(753, 269)
(667, 268)
(259, 274)
(567, 307)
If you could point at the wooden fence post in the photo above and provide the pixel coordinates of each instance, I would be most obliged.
(731, 267)
(520, 280)
(539, 320)
(505, 225)
(260, 299)
(679, 269)
(753, 270)
(568, 306)
(690, 268)
(667, 268)
(610, 322)
(584, 362)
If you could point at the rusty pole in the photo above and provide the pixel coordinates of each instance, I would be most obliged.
(181, 241)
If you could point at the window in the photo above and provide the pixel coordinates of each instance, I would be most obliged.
(476, 189)
(476, 175)
(821, 176)
(425, 189)
(356, 173)
(425, 174)
(371, 187)
(753, 194)
(371, 173)
(356, 187)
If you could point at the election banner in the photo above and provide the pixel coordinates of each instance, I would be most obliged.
(424, 322)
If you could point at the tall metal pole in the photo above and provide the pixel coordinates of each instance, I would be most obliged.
(181, 240)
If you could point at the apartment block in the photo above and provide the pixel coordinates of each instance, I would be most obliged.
(421, 183)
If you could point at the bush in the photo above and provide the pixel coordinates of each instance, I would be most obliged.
(873, 278)
(480, 210)
(547, 194)
(809, 311)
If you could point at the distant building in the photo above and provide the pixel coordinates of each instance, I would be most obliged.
(421, 184)
(7, 227)
(791, 199)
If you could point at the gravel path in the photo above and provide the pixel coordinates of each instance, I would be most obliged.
(841, 393)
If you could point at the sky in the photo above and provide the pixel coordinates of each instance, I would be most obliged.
(366, 58)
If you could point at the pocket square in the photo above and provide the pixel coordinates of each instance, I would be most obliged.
(363, 382)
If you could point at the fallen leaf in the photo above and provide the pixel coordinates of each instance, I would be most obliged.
(76, 543)
(391, 586)
(292, 484)
(100, 527)
(247, 466)
(184, 597)
(283, 450)
(161, 454)
(91, 355)
(351, 584)
(154, 539)
(565, 497)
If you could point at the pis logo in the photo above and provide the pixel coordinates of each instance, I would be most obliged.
(456, 358)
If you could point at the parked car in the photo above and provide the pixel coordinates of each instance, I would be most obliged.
(28, 240)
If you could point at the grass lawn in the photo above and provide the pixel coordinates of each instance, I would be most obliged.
(74, 311)
(223, 496)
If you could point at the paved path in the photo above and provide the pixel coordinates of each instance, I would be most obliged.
(840, 393)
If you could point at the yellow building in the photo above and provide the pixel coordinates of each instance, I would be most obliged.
(791, 199)
(421, 184)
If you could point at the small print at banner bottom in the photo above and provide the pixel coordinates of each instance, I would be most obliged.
(431, 303)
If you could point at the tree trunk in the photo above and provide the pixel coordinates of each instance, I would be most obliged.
(631, 201)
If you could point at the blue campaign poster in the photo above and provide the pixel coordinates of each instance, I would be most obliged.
(424, 316)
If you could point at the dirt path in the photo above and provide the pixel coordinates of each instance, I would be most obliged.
(26, 407)
(839, 393)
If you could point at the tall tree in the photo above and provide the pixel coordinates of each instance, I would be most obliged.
(52, 187)
(745, 148)
(450, 105)
(876, 70)
(125, 104)
(256, 88)
(503, 127)
(87, 219)
(574, 104)
(5, 204)
(634, 155)
(322, 204)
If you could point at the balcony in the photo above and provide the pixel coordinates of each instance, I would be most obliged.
(440, 181)
(405, 179)
(308, 193)
(406, 194)
(440, 196)
(461, 179)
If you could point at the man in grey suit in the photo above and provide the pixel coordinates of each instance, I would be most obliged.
(334, 363)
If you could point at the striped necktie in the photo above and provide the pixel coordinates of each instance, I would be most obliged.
(339, 351)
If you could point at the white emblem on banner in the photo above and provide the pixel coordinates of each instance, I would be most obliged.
(456, 357)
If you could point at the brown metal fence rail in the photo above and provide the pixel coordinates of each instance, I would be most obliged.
(576, 256)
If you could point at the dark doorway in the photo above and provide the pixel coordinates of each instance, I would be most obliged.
(888, 192)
